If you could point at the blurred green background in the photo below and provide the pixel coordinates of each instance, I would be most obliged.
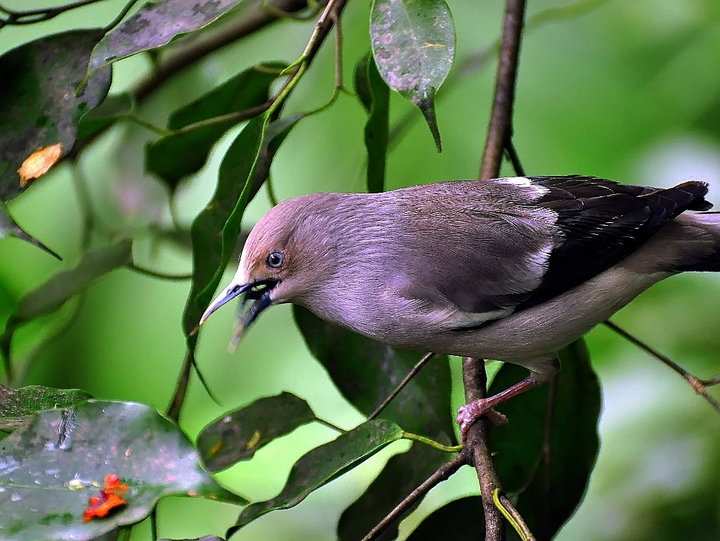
(623, 90)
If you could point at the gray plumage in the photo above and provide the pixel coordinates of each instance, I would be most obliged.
(510, 269)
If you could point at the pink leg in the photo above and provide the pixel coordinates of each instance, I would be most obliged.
(469, 413)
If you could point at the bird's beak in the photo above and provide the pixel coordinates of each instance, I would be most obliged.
(258, 291)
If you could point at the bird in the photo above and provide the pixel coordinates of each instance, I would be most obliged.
(511, 269)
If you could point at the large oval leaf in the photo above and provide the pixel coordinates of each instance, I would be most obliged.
(156, 24)
(413, 42)
(324, 463)
(50, 468)
(238, 434)
(40, 107)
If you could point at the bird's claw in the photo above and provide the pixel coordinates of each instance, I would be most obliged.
(469, 413)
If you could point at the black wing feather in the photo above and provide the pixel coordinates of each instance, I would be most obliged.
(601, 222)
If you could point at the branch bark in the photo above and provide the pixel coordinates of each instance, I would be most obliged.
(474, 376)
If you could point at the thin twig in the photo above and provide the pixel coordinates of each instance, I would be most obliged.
(442, 474)
(512, 155)
(159, 275)
(699, 385)
(120, 16)
(401, 386)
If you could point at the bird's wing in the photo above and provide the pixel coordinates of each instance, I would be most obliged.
(516, 243)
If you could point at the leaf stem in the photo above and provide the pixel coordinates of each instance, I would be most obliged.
(159, 275)
(512, 515)
(147, 125)
(432, 443)
(120, 16)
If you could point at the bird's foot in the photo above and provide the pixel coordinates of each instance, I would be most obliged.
(469, 413)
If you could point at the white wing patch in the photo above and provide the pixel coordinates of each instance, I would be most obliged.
(524, 182)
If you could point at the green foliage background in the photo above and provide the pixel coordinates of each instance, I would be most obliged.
(622, 90)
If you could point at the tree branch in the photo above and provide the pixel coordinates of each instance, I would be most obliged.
(474, 376)
(500, 125)
(699, 385)
(478, 450)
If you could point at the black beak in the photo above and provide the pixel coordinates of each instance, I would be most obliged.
(258, 291)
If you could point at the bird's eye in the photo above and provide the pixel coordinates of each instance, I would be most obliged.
(275, 259)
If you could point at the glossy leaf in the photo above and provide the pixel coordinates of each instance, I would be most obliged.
(413, 42)
(17, 405)
(324, 463)
(238, 434)
(216, 229)
(400, 476)
(40, 105)
(55, 462)
(10, 228)
(184, 152)
(366, 371)
(156, 24)
(375, 97)
(550, 487)
(113, 108)
(459, 519)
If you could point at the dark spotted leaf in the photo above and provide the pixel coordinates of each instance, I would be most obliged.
(238, 434)
(17, 405)
(41, 105)
(56, 461)
(156, 24)
(413, 42)
(9, 228)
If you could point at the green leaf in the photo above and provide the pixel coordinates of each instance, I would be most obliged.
(550, 487)
(112, 109)
(57, 461)
(324, 463)
(40, 105)
(459, 519)
(215, 231)
(203, 538)
(156, 24)
(400, 476)
(17, 405)
(51, 295)
(413, 42)
(185, 152)
(10, 228)
(238, 434)
(366, 371)
(375, 97)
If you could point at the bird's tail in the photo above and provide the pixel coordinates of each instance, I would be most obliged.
(702, 237)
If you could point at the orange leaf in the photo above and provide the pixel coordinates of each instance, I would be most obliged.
(38, 163)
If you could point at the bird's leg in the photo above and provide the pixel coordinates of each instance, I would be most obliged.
(469, 413)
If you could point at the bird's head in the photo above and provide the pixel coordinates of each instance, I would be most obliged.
(281, 260)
